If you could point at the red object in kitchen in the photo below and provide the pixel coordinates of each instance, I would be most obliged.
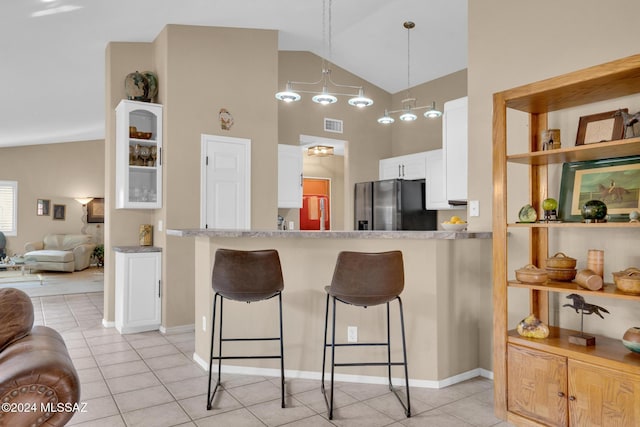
(314, 207)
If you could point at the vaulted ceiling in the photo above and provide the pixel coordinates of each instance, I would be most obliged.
(52, 51)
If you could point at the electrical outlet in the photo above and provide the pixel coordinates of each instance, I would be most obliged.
(352, 333)
(204, 323)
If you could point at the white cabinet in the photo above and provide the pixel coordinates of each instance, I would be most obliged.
(138, 155)
(289, 176)
(411, 166)
(435, 186)
(138, 288)
(455, 146)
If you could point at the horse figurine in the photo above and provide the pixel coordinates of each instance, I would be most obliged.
(629, 120)
(579, 304)
(615, 194)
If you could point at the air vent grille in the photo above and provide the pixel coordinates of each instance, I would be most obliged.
(332, 125)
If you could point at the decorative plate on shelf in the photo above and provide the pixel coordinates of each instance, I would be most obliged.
(527, 214)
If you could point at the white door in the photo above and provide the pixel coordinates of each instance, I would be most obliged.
(226, 182)
(289, 176)
(455, 145)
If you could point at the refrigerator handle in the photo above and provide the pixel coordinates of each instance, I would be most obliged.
(403, 171)
(301, 180)
(399, 173)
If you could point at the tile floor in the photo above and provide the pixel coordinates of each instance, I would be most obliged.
(150, 379)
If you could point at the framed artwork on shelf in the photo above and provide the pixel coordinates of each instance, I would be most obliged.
(95, 211)
(616, 182)
(59, 212)
(601, 127)
(42, 207)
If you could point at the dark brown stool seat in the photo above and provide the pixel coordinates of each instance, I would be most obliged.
(247, 276)
(366, 279)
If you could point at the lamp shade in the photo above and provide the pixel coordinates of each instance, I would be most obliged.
(83, 200)
(408, 116)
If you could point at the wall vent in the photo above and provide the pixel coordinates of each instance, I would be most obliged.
(332, 125)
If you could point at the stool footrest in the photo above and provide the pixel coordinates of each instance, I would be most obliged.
(250, 339)
(244, 357)
(356, 344)
(370, 364)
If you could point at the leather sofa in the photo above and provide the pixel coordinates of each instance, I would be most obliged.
(60, 252)
(38, 383)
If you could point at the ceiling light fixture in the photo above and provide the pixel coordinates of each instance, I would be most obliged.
(409, 103)
(320, 151)
(324, 96)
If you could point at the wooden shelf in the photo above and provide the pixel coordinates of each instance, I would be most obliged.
(609, 290)
(580, 153)
(574, 225)
(606, 352)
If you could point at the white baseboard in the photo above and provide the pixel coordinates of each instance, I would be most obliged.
(108, 324)
(364, 379)
(177, 329)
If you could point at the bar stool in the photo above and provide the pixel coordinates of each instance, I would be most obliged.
(248, 276)
(366, 279)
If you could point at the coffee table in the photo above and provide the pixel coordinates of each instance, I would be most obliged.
(12, 267)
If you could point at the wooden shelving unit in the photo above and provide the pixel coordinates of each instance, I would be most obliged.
(609, 364)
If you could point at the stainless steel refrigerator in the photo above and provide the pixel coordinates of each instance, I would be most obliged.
(392, 204)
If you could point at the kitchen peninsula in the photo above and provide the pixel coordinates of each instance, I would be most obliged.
(446, 300)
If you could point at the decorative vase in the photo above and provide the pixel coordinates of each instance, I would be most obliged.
(136, 87)
(152, 78)
(594, 211)
(631, 339)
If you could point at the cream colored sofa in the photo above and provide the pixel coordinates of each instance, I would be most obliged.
(60, 252)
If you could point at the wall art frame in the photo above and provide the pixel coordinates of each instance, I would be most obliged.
(601, 127)
(95, 211)
(616, 182)
(59, 212)
(43, 207)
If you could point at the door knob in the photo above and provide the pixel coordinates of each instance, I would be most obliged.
(572, 398)
(560, 394)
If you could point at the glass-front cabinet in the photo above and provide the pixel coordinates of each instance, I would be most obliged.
(138, 155)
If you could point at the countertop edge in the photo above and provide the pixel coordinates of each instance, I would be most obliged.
(302, 234)
(136, 249)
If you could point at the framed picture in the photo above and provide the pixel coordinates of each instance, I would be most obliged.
(600, 127)
(59, 211)
(616, 182)
(95, 210)
(42, 207)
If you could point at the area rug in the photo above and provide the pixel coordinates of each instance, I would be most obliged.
(38, 284)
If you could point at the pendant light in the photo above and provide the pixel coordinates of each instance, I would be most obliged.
(324, 96)
(409, 103)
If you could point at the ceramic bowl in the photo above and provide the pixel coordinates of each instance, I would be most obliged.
(628, 280)
(561, 274)
(531, 274)
(560, 260)
(631, 339)
(454, 227)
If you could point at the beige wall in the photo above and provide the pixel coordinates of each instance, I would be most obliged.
(56, 172)
(425, 134)
(200, 71)
(514, 43)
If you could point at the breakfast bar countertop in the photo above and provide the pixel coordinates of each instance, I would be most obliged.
(297, 234)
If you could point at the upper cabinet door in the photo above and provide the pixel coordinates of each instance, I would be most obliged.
(435, 186)
(455, 146)
(138, 155)
(411, 166)
(289, 176)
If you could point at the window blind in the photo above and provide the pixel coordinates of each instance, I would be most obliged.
(9, 207)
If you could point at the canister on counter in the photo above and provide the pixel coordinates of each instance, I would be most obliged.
(145, 235)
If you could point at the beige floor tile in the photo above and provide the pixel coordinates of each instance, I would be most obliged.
(79, 352)
(84, 362)
(107, 359)
(364, 391)
(188, 388)
(272, 414)
(168, 414)
(357, 415)
(180, 372)
(255, 393)
(143, 398)
(104, 339)
(112, 421)
(180, 337)
(196, 406)
(238, 418)
(157, 351)
(388, 404)
(472, 411)
(434, 418)
(148, 342)
(315, 421)
(93, 389)
(132, 382)
(124, 369)
(89, 375)
(110, 348)
(315, 399)
(97, 408)
(169, 361)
